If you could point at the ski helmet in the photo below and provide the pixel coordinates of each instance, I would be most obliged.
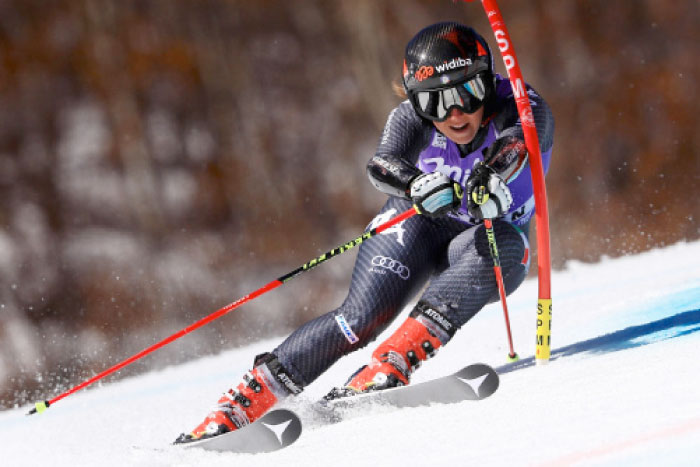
(447, 65)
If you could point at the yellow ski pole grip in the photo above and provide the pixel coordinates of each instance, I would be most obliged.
(39, 407)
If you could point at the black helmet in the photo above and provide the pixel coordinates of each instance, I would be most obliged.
(447, 65)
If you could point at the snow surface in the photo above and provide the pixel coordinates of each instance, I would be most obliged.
(622, 389)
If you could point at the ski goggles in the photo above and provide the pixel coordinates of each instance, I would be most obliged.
(435, 104)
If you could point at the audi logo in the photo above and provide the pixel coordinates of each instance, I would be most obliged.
(392, 265)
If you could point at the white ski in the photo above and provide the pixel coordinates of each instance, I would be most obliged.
(275, 430)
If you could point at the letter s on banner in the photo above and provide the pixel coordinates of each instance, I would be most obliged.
(503, 46)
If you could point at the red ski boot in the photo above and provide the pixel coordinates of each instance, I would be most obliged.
(393, 361)
(259, 392)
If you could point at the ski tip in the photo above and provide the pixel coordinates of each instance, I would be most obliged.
(275, 430)
(39, 407)
(542, 361)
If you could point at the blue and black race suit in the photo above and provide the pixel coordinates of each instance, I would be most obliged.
(448, 258)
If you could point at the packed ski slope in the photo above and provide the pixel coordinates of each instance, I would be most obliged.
(623, 388)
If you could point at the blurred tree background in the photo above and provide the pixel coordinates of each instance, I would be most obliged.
(161, 158)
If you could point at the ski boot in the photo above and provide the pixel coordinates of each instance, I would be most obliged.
(259, 391)
(393, 361)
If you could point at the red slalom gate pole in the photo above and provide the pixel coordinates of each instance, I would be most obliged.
(544, 301)
(40, 407)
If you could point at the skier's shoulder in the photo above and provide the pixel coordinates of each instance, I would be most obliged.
(405, 118)
(405, 133)
(504, 90)
(507, 118)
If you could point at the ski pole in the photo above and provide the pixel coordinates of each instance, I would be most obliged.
(40, 407)
(491, 236)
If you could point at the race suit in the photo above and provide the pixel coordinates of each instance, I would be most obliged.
(450, 254)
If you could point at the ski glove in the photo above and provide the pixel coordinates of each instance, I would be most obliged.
(435, 194)
(489, 196)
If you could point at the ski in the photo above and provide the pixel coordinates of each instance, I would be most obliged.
(275, 430)
(280, 428)
(474, 382)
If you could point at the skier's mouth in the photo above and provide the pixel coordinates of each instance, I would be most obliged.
(460, 127)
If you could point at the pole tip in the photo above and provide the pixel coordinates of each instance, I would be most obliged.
(39, 407)
(513, 358)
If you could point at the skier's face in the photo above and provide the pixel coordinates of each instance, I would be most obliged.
(461, 127)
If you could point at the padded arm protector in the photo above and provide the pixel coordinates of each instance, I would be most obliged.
(507, 156)
(405, 135)
(392, 175)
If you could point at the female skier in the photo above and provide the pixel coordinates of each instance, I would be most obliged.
(457, 133)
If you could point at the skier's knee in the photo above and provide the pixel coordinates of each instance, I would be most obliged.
(358, 327)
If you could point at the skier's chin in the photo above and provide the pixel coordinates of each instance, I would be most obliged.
(461, 135)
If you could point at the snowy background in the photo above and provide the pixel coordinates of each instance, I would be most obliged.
(161, 158)
(621, 389)
(135, 133)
